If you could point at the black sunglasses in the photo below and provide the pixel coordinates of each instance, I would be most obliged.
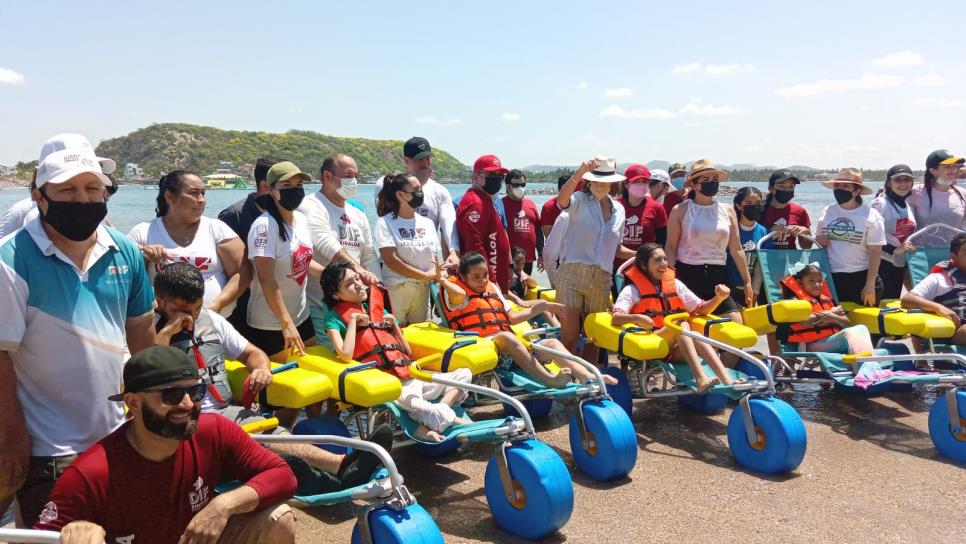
(172, 395)
(524, 184)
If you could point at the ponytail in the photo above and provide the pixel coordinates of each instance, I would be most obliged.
(928, 179)
(267, 203)
(387, 201)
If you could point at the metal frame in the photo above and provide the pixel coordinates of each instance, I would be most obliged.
(932, 228)
(29, 535)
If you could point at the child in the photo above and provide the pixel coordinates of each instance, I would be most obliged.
(472, 303)
(361, 329)
(520, 282)
(749, 208)
(827, 329)
(651, 293)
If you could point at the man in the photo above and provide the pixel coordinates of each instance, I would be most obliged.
(943, 291)
(679, 176)
(71, 291)
(210, 340)
(550, 210)
(522, 219)
(153, 479)
(478, 222)
(339, 232)
(437, 203)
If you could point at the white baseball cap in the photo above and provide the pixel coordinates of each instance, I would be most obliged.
(70, 140)
(61, 166)
(662, 176)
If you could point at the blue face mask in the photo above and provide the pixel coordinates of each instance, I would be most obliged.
(678, 183)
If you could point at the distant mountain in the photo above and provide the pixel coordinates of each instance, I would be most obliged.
(160, 148)
(542, 168)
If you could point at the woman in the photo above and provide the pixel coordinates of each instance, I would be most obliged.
(588, 247)
(181, 232)
(938, 200)
(899, 223)
(748, 208)
(853, 234)
(409, 246)
(783, 216)
(701, 233)
(280, 249)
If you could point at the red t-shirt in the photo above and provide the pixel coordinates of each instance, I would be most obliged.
(671, 200)
(641, 223)
(793, 214)
(481, 230)
(549, 213)
(522, 224)
(142, 501)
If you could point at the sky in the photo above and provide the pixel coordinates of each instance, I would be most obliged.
(825, 84)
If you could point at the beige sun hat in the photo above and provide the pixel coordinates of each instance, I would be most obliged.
(704, 167)
(849, 175)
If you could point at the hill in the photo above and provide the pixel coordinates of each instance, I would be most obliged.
(160, 148)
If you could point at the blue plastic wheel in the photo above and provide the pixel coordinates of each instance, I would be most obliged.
(948, 444)
(781, 444)
(747, 367)
(410, 525)
(621, 391)
(547, 491)
(537, 408)
(704, 404)
(615, 442)
(323, 425)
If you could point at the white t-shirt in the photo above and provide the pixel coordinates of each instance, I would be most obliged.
(899, 224)
(437, 207)
(18, 215)
(947, 208)
(629, 296)
(850, 233)
(933, 286)
(292, 258)
(202, 252)
(332, 229)
(415, 240)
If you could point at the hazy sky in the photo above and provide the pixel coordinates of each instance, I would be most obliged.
(821, 83)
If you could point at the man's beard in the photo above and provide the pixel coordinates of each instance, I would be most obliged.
(162, 426)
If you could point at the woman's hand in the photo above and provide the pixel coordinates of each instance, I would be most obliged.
(293, 341)
(909, 248)
(154, 253)
(868, 295)
(822, 240)
(749, 295)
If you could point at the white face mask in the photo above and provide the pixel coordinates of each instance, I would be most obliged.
(517, 192)
(349, 188)
(943, 182)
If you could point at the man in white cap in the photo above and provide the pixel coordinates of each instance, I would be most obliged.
(22, 211)
(71, 292)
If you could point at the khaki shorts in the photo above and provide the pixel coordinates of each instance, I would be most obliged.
(253, 527)
(584, 287)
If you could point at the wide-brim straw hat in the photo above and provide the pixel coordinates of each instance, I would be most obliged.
(704, 167)
(849, 175)
(605, 171)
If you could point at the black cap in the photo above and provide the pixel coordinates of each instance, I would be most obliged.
(781, 175)
(941, 156)
(154, 366)
(417, 147)
(899, 170)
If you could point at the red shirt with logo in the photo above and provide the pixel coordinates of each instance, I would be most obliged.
(522, 222)
(671, 200)
(641, 223)
(481, 230)
(141, 501)
(793, 214)
(549, 213)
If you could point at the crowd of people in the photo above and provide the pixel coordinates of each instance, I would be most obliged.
(161, 308)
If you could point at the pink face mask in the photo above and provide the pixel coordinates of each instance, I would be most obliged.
(637, 190)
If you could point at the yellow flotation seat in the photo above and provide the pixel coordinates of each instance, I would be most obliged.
(293, 388)
(427, 339)
(763, 318)
(639, 345)
(367, 387)
(729, 332)
(541, 293)
(899, 322)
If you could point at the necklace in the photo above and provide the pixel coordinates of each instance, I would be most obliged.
(183, 238)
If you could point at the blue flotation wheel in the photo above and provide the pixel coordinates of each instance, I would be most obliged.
(613, 442)
(620, 392)
(952, 445)
(323, 425)
(412, 524)
(780, 446)
(544, 491)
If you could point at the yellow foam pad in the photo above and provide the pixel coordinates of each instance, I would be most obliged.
(640, 346)
(429, 339)
(542, 293)
(294, 388)
(783, 311)
(900, 323)
(367, 387)
(729, 332)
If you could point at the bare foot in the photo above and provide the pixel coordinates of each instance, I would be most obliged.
(560, 379)
(705, 384)
(462, 421)
(426, 435)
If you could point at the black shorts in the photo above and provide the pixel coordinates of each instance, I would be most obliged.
(849, 285)
(272, 342)
(702, 278)
(892, 279)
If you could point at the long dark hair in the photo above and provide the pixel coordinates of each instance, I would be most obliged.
(170, 183)
(929, 179)
(267, 203)
(331, 278)
(644, 253)
(743, 194)
(387, 201)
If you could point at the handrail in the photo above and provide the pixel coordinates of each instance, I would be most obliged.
(29, 535)
(394, 476)
(931, 228)
(772, 234)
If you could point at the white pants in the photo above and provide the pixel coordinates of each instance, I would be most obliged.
(417, 397)
(410, 301)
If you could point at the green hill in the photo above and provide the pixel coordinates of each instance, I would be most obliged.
(160, 148)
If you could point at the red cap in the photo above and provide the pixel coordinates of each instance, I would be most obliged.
(488, 163)
(637, 172)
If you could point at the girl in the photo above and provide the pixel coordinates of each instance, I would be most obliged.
(361, 328)
(853, 234)
(783, 216)
(938, 199)
(827, 329)
(899, 223)
(748, 207)
(652, 275)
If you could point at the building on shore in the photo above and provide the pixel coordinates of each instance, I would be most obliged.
(132, 171)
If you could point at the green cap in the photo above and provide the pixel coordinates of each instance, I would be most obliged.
(676, 167)
(156, 365)
(284, 171)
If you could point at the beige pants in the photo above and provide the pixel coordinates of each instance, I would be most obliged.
(410, 301)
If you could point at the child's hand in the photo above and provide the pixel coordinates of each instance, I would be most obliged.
(361, 319)
(838, 310)
(389, 319)
(644, 321)
(721, 291)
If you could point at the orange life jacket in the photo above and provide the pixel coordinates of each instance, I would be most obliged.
(803, 334)
(484, 312)
(376, 342)
(653, 303)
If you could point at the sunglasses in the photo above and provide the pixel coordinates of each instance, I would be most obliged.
(173, 395)
(518, 185)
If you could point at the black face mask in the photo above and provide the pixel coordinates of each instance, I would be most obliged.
(75, 221)
(752, 211)
(842, 195)
(783, 197)
(898, 199)
(416, 199)
(709, 188)
(291, 198)
(492, 184)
